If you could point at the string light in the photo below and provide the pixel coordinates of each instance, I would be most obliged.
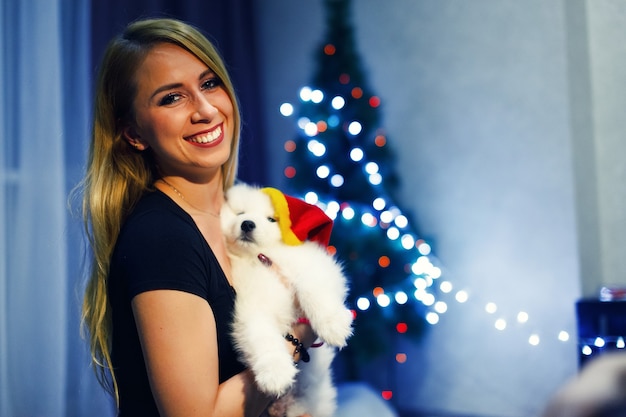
(323, 171)
(336, 180)
(338, 102)
(461, 296)
(402, 327)
(500, 324)
(317, 96)
(379, 203)
(491, 308)
(286, 109)
(356, 154)
(423, 272)
(305, 94)
(445, 287)
(354, 128)
(402, 222)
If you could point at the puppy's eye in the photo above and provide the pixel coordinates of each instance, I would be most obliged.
(271, 220)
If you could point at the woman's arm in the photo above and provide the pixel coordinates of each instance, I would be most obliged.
(179, 340)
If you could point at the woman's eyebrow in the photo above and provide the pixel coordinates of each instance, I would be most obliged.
(208, 71)
(165, 88)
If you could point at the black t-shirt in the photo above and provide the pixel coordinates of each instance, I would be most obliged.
(160, 247)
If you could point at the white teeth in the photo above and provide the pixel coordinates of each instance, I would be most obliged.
(210, 137)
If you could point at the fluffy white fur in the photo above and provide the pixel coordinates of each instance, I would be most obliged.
(304, 281)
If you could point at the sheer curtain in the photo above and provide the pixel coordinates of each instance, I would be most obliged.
(44, 368)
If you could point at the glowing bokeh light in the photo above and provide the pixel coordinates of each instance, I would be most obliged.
(379, 203)
(428, 299)
(290, 146)
(386, 216)
(408, 241)
(440, 307)
(356, 154)
(338, 102)
(599, 342)
(305, 93)
(432, 317)
(461, 296)
(355, 128)
(371, 168)
(375, 179)
(374, 101)
(534, 339)
(383, 300)
(348, 213)
(401, 221)
(286, 109)
(500, 324)
(401, 297)
(368, 220)
(323, 171)
(336, 180)
(357, 92)
(303, 122)
(522, 317)
(333, 120)
(424, 248)
(362, 303)
(317, 96)
(311, 197)
(310, 129)
(289, 172)
(393, 233)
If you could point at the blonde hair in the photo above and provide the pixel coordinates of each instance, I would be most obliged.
(117, 174)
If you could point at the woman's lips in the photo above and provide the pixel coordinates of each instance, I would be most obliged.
(208, 137)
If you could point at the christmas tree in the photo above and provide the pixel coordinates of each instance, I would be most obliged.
(341, 160)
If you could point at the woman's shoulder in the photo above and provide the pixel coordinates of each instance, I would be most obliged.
(155, 213)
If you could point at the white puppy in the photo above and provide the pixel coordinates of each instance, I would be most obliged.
(304, 281)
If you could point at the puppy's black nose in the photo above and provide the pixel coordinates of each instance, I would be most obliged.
(247, 226)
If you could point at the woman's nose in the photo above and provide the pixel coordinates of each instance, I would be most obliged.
(205, 111)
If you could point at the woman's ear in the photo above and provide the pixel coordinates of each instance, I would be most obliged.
(134, 139)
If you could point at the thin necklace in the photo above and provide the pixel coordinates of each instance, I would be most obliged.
(187, 201)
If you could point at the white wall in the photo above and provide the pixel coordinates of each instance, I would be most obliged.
(598, 76)
(481, 101)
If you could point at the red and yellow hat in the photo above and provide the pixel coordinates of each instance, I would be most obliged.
(298, 220)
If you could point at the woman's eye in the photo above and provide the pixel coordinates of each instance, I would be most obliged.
(169, 99)
(211, 83)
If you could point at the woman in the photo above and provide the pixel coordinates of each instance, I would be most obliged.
(159, 301)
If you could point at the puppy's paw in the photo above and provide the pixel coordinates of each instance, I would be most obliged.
(276, 375)
(336, 330)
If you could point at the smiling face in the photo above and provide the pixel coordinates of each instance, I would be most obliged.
(182, 113)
